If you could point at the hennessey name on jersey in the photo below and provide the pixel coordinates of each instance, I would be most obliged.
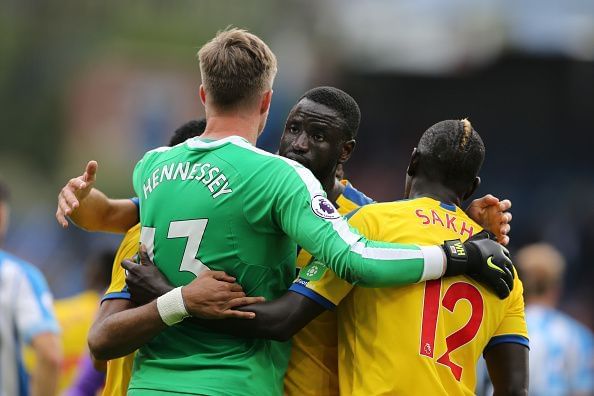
(211, 176)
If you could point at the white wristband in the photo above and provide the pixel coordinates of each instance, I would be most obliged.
(435, 262)
(171, 307)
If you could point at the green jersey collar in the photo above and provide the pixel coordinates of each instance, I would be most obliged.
(200, 143)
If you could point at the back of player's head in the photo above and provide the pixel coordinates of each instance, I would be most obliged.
(541, 267)
(451, 152)
(188, 130)
(236, 66)
(342, 103)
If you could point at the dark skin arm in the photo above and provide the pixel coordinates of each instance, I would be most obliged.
(122, 327)
(277, 320)
(109, 307)
(508, 368)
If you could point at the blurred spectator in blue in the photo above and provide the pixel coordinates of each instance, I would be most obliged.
(26, 317)
(561, 349)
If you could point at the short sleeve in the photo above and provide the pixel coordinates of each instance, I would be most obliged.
(512, 328)
(34, 305)
(320, 283)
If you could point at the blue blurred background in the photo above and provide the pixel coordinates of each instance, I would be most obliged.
(109, 80)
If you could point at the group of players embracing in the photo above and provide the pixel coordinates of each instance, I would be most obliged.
(249, 273)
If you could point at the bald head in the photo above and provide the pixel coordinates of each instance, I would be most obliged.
(542, 268)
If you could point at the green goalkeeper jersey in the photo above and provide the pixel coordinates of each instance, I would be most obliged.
(226, 205)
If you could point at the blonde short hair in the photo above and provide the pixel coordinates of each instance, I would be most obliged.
(236, 66)
(541, 267)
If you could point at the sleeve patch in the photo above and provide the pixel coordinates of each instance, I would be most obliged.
(313, 271)
(322, 207)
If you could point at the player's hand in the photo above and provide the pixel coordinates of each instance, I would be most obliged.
(214, 295)
(483, 259)
(144, 280)
(493, 215)
(75, 191)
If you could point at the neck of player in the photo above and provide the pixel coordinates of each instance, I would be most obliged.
(220, 126)
(333, 187)
(421, 187)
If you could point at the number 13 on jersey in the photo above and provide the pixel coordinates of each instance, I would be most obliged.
(192, 230)
(431, 305)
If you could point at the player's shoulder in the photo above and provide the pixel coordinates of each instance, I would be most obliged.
(383, 208)
(565, 325)
(161, 153)
(130, 242)
(133, 233)
(14, 268)
(355, 196)
(274, 167)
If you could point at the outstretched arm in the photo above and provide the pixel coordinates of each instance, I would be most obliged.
(508, 368)
(92, 210)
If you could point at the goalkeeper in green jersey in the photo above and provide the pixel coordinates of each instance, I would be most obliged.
(217, 200)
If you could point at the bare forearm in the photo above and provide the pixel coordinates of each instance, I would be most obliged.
(124, 332)
(44, 379)
(278, 320)
(91, 211)
(97, 212)
(508, 369)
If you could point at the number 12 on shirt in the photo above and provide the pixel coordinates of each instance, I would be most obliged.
(431, 304)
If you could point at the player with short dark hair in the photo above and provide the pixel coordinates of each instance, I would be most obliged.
(423, 331)
(188, 130)
(346, 107)
(453, 154)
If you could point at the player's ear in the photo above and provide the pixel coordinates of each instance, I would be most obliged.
(202, 94)
(414, 162)
(475, 184)
(265, 102)
(347, 150)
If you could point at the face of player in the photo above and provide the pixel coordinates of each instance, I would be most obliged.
(314, 137)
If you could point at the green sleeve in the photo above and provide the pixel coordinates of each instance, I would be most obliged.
(307, 216)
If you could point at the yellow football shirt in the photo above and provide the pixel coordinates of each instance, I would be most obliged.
(119, 370)
(422, 339)
(313, 366)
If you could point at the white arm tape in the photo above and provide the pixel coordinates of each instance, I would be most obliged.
(171, 307)
(435, 262)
